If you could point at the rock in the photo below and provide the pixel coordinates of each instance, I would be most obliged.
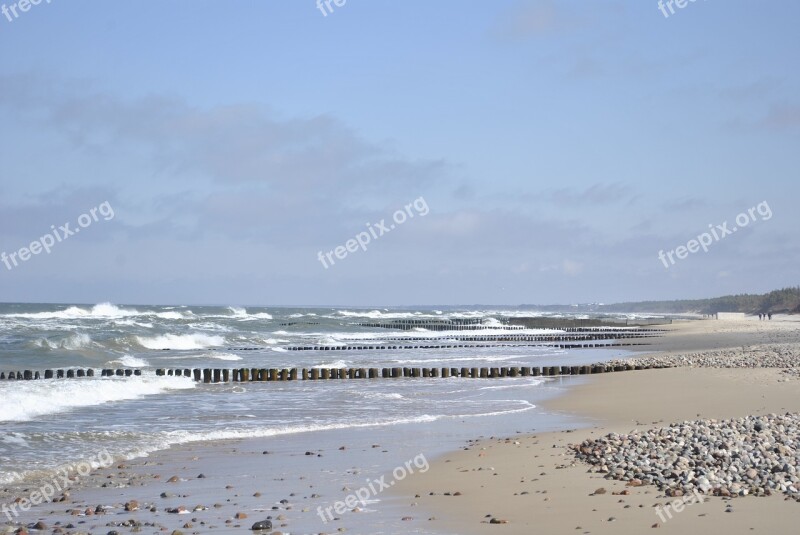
(240, 516)
(132, 505)
(726, 457)
(173, 479)
(263, 525)
(180, 510)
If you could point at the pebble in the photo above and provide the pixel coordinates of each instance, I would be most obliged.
(755, 455)
(786, 356)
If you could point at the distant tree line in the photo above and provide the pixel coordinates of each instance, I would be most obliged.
(783, 301)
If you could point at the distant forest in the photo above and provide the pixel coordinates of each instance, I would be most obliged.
(785, 301)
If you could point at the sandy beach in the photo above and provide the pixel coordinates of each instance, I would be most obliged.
(534, 484)
(510, 473)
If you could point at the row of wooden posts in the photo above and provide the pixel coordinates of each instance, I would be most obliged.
(446, 346)
(217, 375)
(243, 375)
(28, 375)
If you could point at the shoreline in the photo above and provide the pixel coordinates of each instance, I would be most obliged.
(534, 482)
(234, 490)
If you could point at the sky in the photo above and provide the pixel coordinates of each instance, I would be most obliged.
(380, 153)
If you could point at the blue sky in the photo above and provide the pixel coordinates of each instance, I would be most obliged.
(558, 145)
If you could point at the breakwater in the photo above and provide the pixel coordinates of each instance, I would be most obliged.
(242, 375)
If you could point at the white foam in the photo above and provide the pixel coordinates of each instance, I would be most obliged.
(183, 437)
(381, 395)
(131, 362)
(377, 314)
(26, 400)
(181, 341)
(172, 315)
(241, 314)
(73, 343)
(334, 364)
(223, 356)
(102, 310)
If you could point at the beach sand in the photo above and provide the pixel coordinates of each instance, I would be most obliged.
(534, 483)
(531, 481)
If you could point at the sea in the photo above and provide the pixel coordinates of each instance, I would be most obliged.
(46, 424)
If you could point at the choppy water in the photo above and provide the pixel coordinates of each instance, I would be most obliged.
(47, 423)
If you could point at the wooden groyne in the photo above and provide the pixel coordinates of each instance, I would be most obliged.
(244, 375)
(544, 322)
(482, 341)
(28, 375)
(440, 346)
